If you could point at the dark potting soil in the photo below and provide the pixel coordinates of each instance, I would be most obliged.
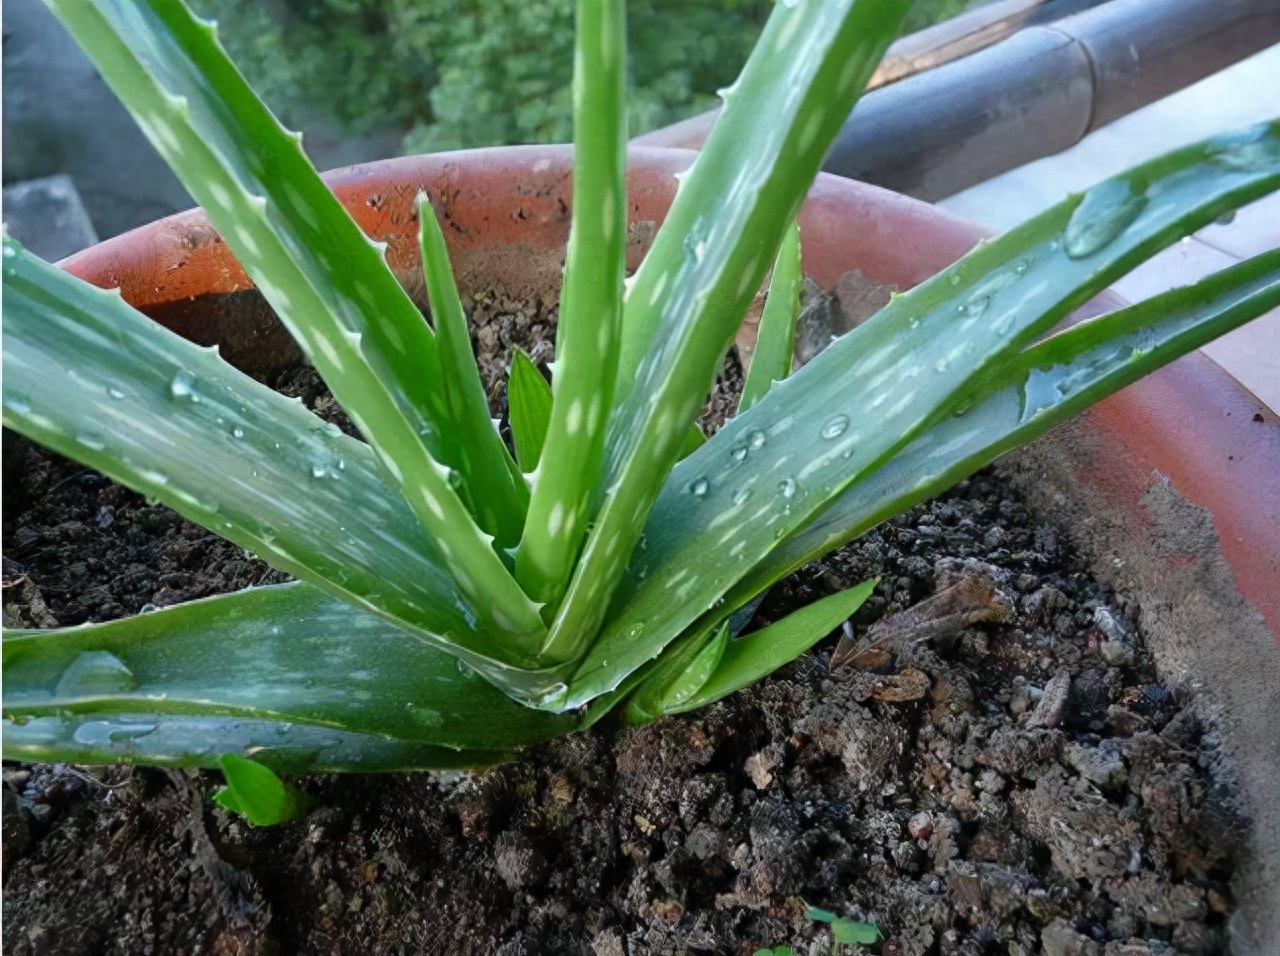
(997, 770)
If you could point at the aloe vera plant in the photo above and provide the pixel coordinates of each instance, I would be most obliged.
(456, 599)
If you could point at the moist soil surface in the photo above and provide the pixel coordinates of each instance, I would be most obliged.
(993, 767)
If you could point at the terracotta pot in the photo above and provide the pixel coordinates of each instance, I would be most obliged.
(1148, 484)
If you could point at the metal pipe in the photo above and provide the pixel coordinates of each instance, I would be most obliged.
(926, 49)
(1042, 90)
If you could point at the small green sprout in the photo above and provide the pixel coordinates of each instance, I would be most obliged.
(259, 795)
(844, 932)
(458, 599)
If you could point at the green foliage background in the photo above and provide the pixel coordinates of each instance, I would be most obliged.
(459, 73)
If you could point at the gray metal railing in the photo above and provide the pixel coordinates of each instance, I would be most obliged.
(1032, 94)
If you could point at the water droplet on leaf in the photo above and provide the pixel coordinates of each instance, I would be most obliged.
(1249, 156)
(183, 386)
(699, 487)
(91, 441)
(131, 731)
(1106, 211)
(552, 697)
(835, 426)
(95, 674)
(787, 488)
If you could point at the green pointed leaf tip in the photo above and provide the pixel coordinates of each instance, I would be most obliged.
(775, 338)
(693, 440)
(258, 795)
(749, 658)
(587, 335)
(488, 476)
(529, 404)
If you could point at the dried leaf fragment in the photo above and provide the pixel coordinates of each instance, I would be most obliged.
(902, 688)
(974, 599)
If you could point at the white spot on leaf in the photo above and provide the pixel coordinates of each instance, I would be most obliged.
(555, 521)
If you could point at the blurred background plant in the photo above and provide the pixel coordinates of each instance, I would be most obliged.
(453, 74)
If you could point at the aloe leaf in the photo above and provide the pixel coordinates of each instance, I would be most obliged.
(93, 379)
(694, 677)
(773, 469)
(529, 401)
(1037, 389)
(288, 655)
(776, 336)
(326, 280)
(679, 673)
(173, 421)
(693, 440)
(590, 312)
(496, 498)
(178, 740)
(723, 231)
(258, 795)
(641, 688)
(749, 658)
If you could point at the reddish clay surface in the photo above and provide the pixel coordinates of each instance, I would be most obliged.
(1219, 446)
(507, 218)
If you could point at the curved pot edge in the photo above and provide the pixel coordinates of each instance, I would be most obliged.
(1140, 534)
